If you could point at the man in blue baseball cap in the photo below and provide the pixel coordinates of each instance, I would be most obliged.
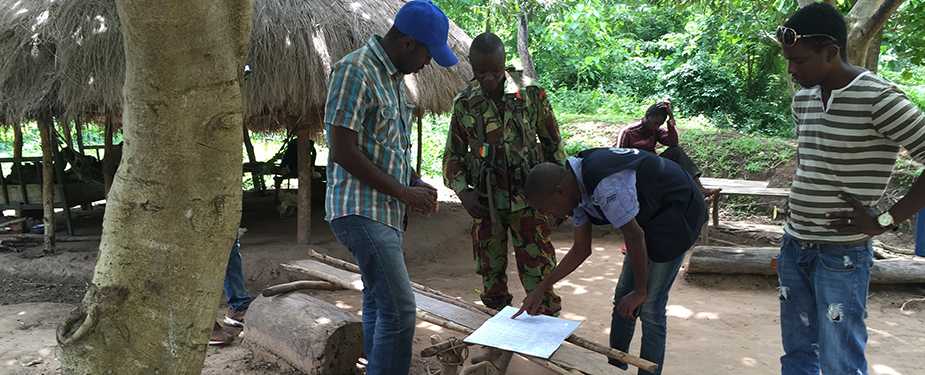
(370, 180)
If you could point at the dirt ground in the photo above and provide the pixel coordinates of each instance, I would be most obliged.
(717, 324)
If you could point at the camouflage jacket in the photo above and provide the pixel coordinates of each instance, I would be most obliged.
(492, 149)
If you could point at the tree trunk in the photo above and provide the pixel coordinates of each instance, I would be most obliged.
(865, 22)
(109, 169)
(257, 176)
(46, 124)
(175, 203)
(873, 53)
(523, 42)
(304, 209)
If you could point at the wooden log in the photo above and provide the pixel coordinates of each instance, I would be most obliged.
(304, 206)
(757, 261)
(45, 124)
(298, 285)
(312, 335)
(732, 260)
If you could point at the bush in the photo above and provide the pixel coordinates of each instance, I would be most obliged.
(703, 88)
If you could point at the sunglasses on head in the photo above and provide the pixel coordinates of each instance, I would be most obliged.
(788, 37)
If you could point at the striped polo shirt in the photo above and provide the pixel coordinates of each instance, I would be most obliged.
(849, 145)
(367, 94)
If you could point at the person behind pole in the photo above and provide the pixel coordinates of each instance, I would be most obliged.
(657, 207)
(850, 126)
(370, 180)
(502, 126)
(648, 134)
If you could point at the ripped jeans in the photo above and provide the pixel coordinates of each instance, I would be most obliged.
(823, 303)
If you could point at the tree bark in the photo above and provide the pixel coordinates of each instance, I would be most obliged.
(175, 202)
(257, 176)
(523, 42)
(865, 22)
(46, 124)
(304, 209)
(873, 53)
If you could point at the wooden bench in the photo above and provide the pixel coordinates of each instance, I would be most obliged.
(739, 187)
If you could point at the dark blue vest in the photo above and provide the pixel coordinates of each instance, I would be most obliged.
(671, 206)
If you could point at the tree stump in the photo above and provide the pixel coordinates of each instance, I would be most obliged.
(311, 335)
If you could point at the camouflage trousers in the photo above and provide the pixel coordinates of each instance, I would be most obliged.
(533, 252)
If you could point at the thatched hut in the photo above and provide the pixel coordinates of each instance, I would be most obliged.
(65, 58)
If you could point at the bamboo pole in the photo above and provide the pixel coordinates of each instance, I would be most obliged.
(574, 339)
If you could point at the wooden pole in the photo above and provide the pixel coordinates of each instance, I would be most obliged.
(304, 218)
(78, 126)
(17, 162)
(48, 183)
(256, 175)
(66, 129)
(107, 155)
(420, 142)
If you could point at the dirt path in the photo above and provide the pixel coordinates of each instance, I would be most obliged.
(717, 325)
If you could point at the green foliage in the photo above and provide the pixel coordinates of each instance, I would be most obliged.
(726, 154)
(715, 58)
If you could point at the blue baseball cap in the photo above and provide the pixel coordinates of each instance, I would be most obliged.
(423, 21)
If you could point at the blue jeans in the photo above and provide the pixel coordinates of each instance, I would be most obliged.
(652, 312)
(388, 301)
(235, 291)
(823, 303)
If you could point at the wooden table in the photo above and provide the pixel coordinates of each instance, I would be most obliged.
(740, 187)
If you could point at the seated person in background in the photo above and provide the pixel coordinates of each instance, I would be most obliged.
(648, 133)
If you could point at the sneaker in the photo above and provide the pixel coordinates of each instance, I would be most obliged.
(234, 318)
(220, 336)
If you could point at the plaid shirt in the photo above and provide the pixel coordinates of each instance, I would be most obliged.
(367, 95)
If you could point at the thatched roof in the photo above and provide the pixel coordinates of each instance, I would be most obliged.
(294, 43)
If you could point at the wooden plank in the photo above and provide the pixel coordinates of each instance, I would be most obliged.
(337, 276)
(743, 187)
(568, 355)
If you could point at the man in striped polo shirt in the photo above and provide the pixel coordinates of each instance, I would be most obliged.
(370, 179)
(850, 126)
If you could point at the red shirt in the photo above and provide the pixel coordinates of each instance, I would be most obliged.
(638, 137)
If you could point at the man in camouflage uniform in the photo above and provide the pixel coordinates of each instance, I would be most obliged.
(502, 126)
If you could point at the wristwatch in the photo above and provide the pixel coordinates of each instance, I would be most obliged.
(885, 220)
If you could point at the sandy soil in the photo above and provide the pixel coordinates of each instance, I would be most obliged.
(717, 324)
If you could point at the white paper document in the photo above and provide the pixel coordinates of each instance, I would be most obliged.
(535, 335)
